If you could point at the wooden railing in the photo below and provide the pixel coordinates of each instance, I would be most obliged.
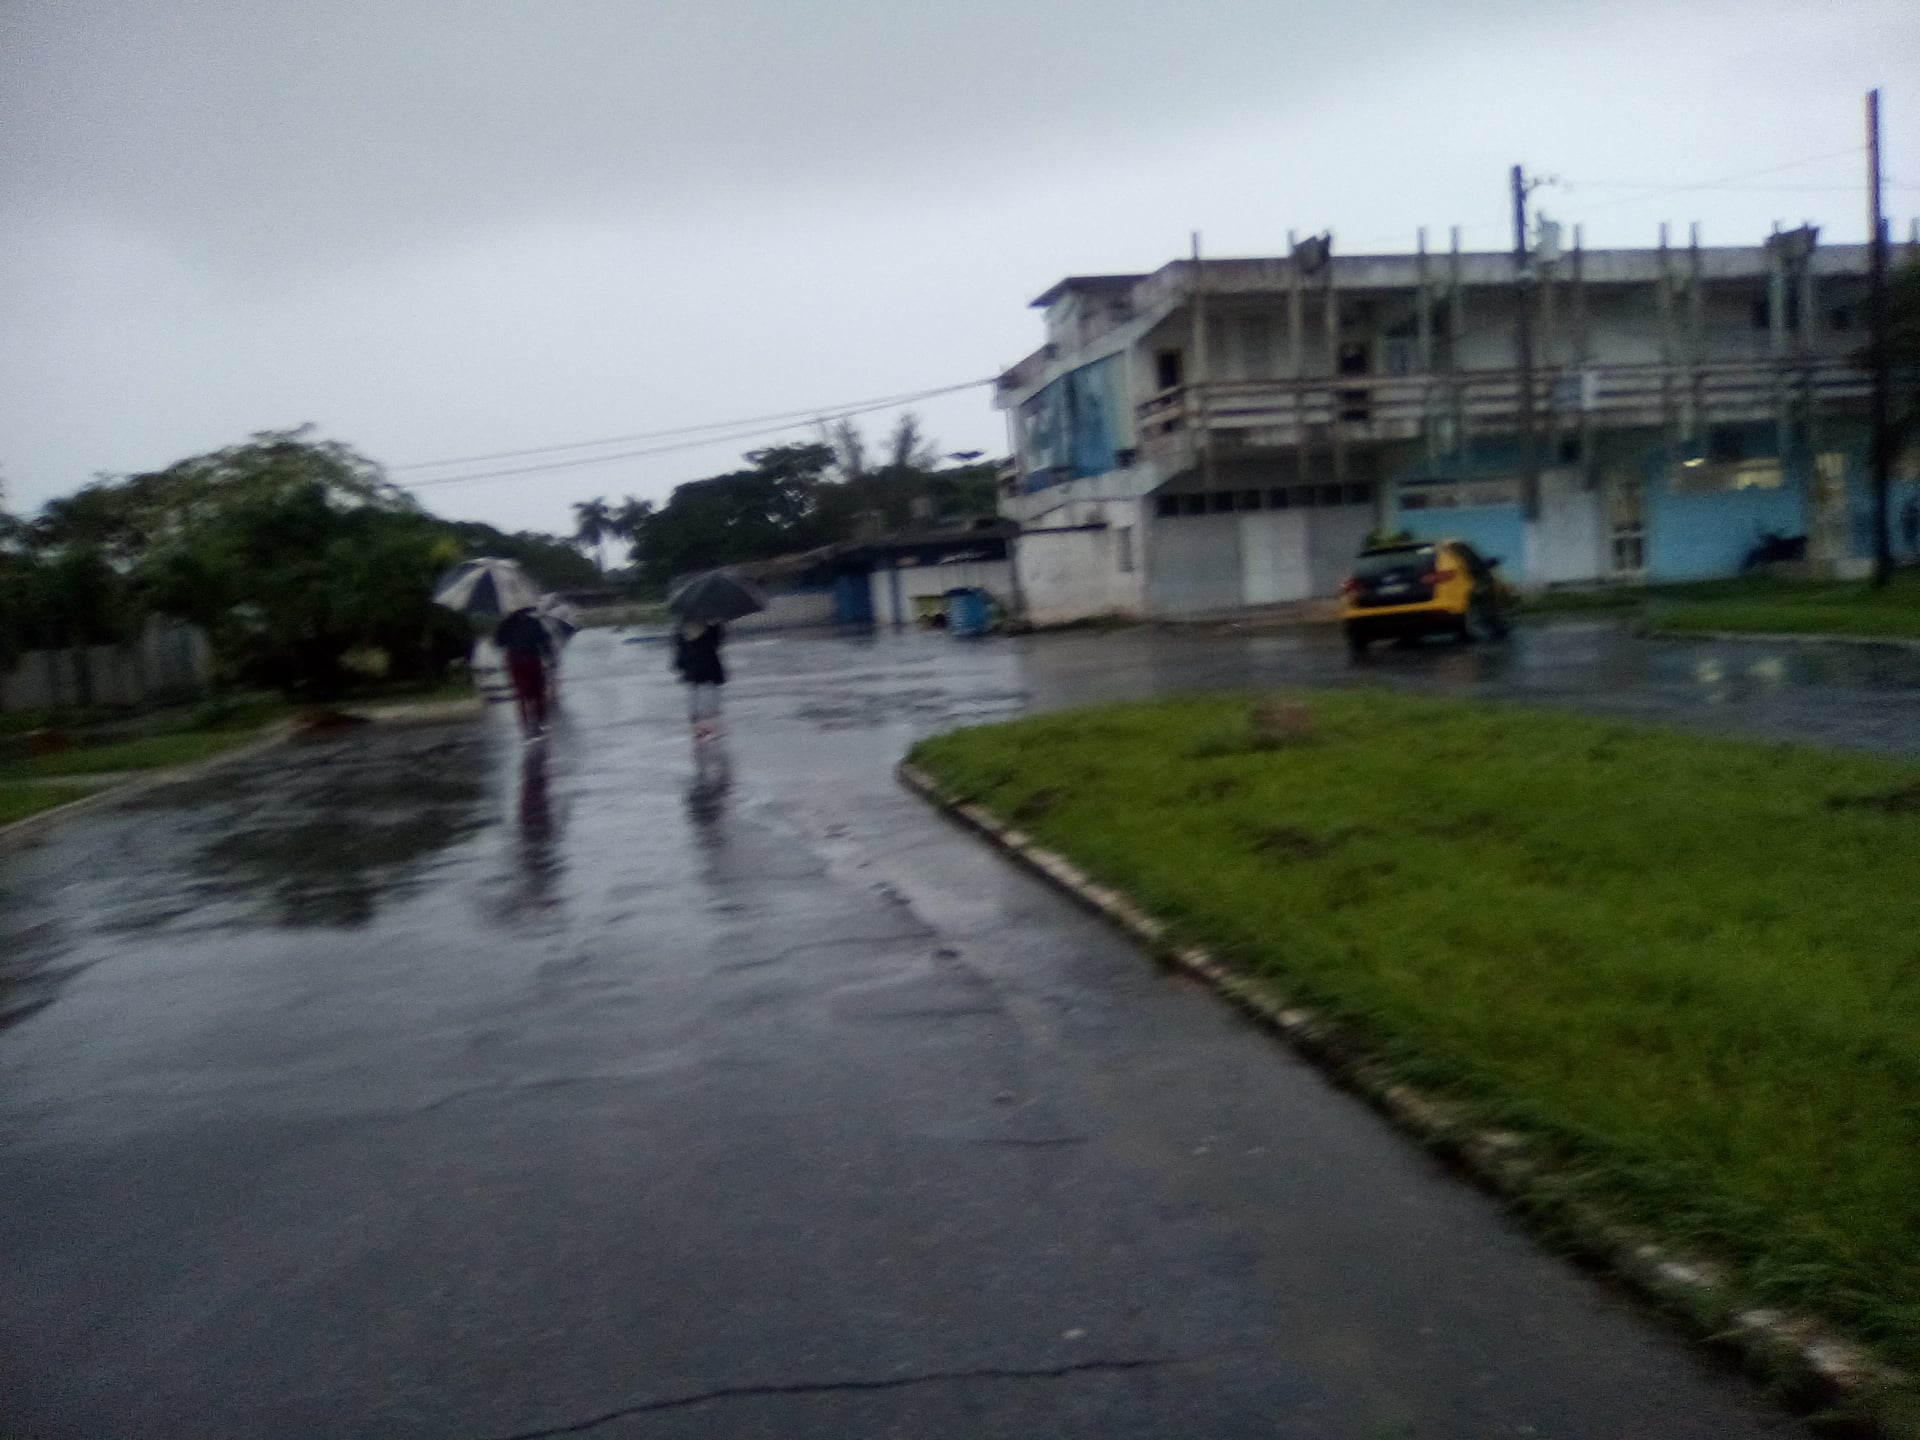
(1380, 407)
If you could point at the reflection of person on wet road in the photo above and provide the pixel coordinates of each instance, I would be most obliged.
(528, 649)
(696, 655)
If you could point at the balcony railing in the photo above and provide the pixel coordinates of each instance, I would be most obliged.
(1286, 413)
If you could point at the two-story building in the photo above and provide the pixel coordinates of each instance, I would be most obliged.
(1225, 433)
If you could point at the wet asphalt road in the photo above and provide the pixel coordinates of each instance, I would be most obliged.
(410, 1084)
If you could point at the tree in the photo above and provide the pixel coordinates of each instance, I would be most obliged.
(593, 522)
(556, 564)
(629, 521)
(907, 449)
(798, 497)
(291, 553)
(849, 448)
(752, 514)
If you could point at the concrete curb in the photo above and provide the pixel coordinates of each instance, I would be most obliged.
(1815, 1365)
(432, 712)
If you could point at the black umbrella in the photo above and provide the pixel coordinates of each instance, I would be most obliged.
(715, 596)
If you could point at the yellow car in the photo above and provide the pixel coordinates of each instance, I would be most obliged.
(1420, 588)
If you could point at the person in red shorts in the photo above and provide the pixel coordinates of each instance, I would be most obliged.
(528, 649)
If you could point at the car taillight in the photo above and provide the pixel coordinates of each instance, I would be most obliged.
(1438, 577)
(1349, 586)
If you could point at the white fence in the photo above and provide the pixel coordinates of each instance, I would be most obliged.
(168, 661)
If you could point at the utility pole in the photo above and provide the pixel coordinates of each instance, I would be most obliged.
(1879, 350)
(1523, 348)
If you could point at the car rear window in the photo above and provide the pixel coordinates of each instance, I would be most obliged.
(1381, 562)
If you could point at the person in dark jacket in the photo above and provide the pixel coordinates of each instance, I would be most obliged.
(528, 649)
(696, 655)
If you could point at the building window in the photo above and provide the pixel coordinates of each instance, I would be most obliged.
(1357, 494)
(1167, 369)
(1762, 314)
(1327, 495)
(1277, 498)
(1195, 504)
(1249, 500)
(1220, 502)
(1842, 318)
(1124, 548)
(1166, 506)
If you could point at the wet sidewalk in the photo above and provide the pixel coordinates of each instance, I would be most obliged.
(414, 1083)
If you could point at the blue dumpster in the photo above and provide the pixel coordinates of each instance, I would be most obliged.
(969, 612)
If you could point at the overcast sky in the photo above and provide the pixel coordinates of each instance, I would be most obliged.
(440, 228)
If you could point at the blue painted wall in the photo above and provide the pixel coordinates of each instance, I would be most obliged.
(1688, 536)
(1699, 537)
(1494, 530)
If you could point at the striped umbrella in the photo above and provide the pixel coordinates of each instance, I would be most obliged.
(486, 586)
(559, 616)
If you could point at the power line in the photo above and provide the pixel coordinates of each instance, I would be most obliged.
(1724, 180)
(839, 413)
(852, 407)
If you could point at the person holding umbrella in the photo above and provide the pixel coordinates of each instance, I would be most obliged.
(528, 649)
(704, 604)
(491, 589)
(696, 655)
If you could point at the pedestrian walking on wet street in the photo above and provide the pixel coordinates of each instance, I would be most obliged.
(528, 649)
(696, 655)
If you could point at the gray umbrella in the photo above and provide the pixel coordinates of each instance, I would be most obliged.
(715, 596)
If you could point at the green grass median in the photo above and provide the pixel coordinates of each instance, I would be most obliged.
(1853, 608)
(148, 752)
(18, 801)
(1688, 968)
(1754, 605)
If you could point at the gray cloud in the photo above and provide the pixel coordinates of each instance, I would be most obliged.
(440, 228)
(269, 135)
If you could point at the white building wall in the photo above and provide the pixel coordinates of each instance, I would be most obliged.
(794, 611)
(914, 581)
(1569, 541)
(1336, 533)
(1193, 564)
(1079, 569)
(1273, 557)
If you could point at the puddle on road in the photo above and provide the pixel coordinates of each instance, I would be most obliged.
(321, 836)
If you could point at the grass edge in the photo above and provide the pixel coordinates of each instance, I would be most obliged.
(1803, 1360)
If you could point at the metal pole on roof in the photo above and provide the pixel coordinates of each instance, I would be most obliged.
(1198, 378)
(1880, 350)
(1523, 348)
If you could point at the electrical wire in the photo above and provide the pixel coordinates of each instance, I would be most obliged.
(852, 407)
(797, 416)
(1681, 188)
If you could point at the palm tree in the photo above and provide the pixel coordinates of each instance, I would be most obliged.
(627, 523)
(593, 522)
